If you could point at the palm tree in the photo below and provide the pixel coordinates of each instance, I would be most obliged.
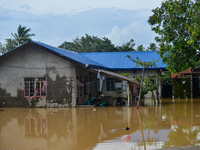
(22, 35)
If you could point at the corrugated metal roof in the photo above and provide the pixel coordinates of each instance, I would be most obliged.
(102, 60)
(72, 55)
(119, 61)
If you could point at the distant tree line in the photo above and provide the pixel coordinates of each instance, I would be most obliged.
(84, 44)
(96, 44)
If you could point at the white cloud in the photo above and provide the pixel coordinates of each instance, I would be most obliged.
(69, 6)
(139, 31)
(119, 25)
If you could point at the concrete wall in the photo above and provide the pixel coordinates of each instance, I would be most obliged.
(146, 74)
(35, 62)
(133, 74)
(115, 94)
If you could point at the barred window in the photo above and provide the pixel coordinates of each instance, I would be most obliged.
(35, 87)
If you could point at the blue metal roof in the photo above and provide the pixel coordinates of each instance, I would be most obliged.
(102, 60)
(119, 61)
(72, 55)
(109, 60)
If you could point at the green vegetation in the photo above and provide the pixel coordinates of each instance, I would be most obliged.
(96, 44)
(22, 36)
(177, 24)
(148, 83)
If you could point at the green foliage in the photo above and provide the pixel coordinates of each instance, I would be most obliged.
(166, 77)
(178, 27)
(152, 47)
(139, 62)
(95, 44)
(140, 48)
(148, 83)
(125, 74)
(129, 46)
(89, 44)
(144, 91)
(10, 44)
(2, 49)
(22, 35)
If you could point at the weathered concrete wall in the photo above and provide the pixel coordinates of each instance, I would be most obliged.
(35, 62)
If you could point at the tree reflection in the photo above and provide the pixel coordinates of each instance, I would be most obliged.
(182, 136)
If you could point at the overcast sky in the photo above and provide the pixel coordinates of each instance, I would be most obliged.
(56, 21)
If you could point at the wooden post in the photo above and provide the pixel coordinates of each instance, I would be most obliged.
(160, 84)
(191, 87)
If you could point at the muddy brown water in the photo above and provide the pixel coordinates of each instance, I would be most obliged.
(152, 127)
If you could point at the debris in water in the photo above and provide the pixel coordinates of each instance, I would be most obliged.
(126, 138)
(127, 128)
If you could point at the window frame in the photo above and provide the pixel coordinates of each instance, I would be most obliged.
(110, 84)
(33, 86)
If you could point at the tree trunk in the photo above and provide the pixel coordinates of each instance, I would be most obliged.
(141, 86)
(157, 95)
(153, 97)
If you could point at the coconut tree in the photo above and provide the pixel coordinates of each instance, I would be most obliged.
(22, 35)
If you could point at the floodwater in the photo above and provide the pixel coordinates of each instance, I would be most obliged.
(152, 127)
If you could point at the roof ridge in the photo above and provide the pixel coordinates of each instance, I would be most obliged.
(118, 52)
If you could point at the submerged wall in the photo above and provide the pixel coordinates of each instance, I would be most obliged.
(34, 62)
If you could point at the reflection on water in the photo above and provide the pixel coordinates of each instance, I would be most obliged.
(35, 126)
(169, 125)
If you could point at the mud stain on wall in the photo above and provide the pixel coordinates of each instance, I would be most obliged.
(59, 91)
(7, 101)
(59, 94)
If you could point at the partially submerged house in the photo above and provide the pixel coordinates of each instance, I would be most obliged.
(38, 75)
(119, 62)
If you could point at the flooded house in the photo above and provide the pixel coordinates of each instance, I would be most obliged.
(118, 62)
(38, 75)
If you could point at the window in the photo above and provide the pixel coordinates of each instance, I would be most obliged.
(35, 87)
(110, 84)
